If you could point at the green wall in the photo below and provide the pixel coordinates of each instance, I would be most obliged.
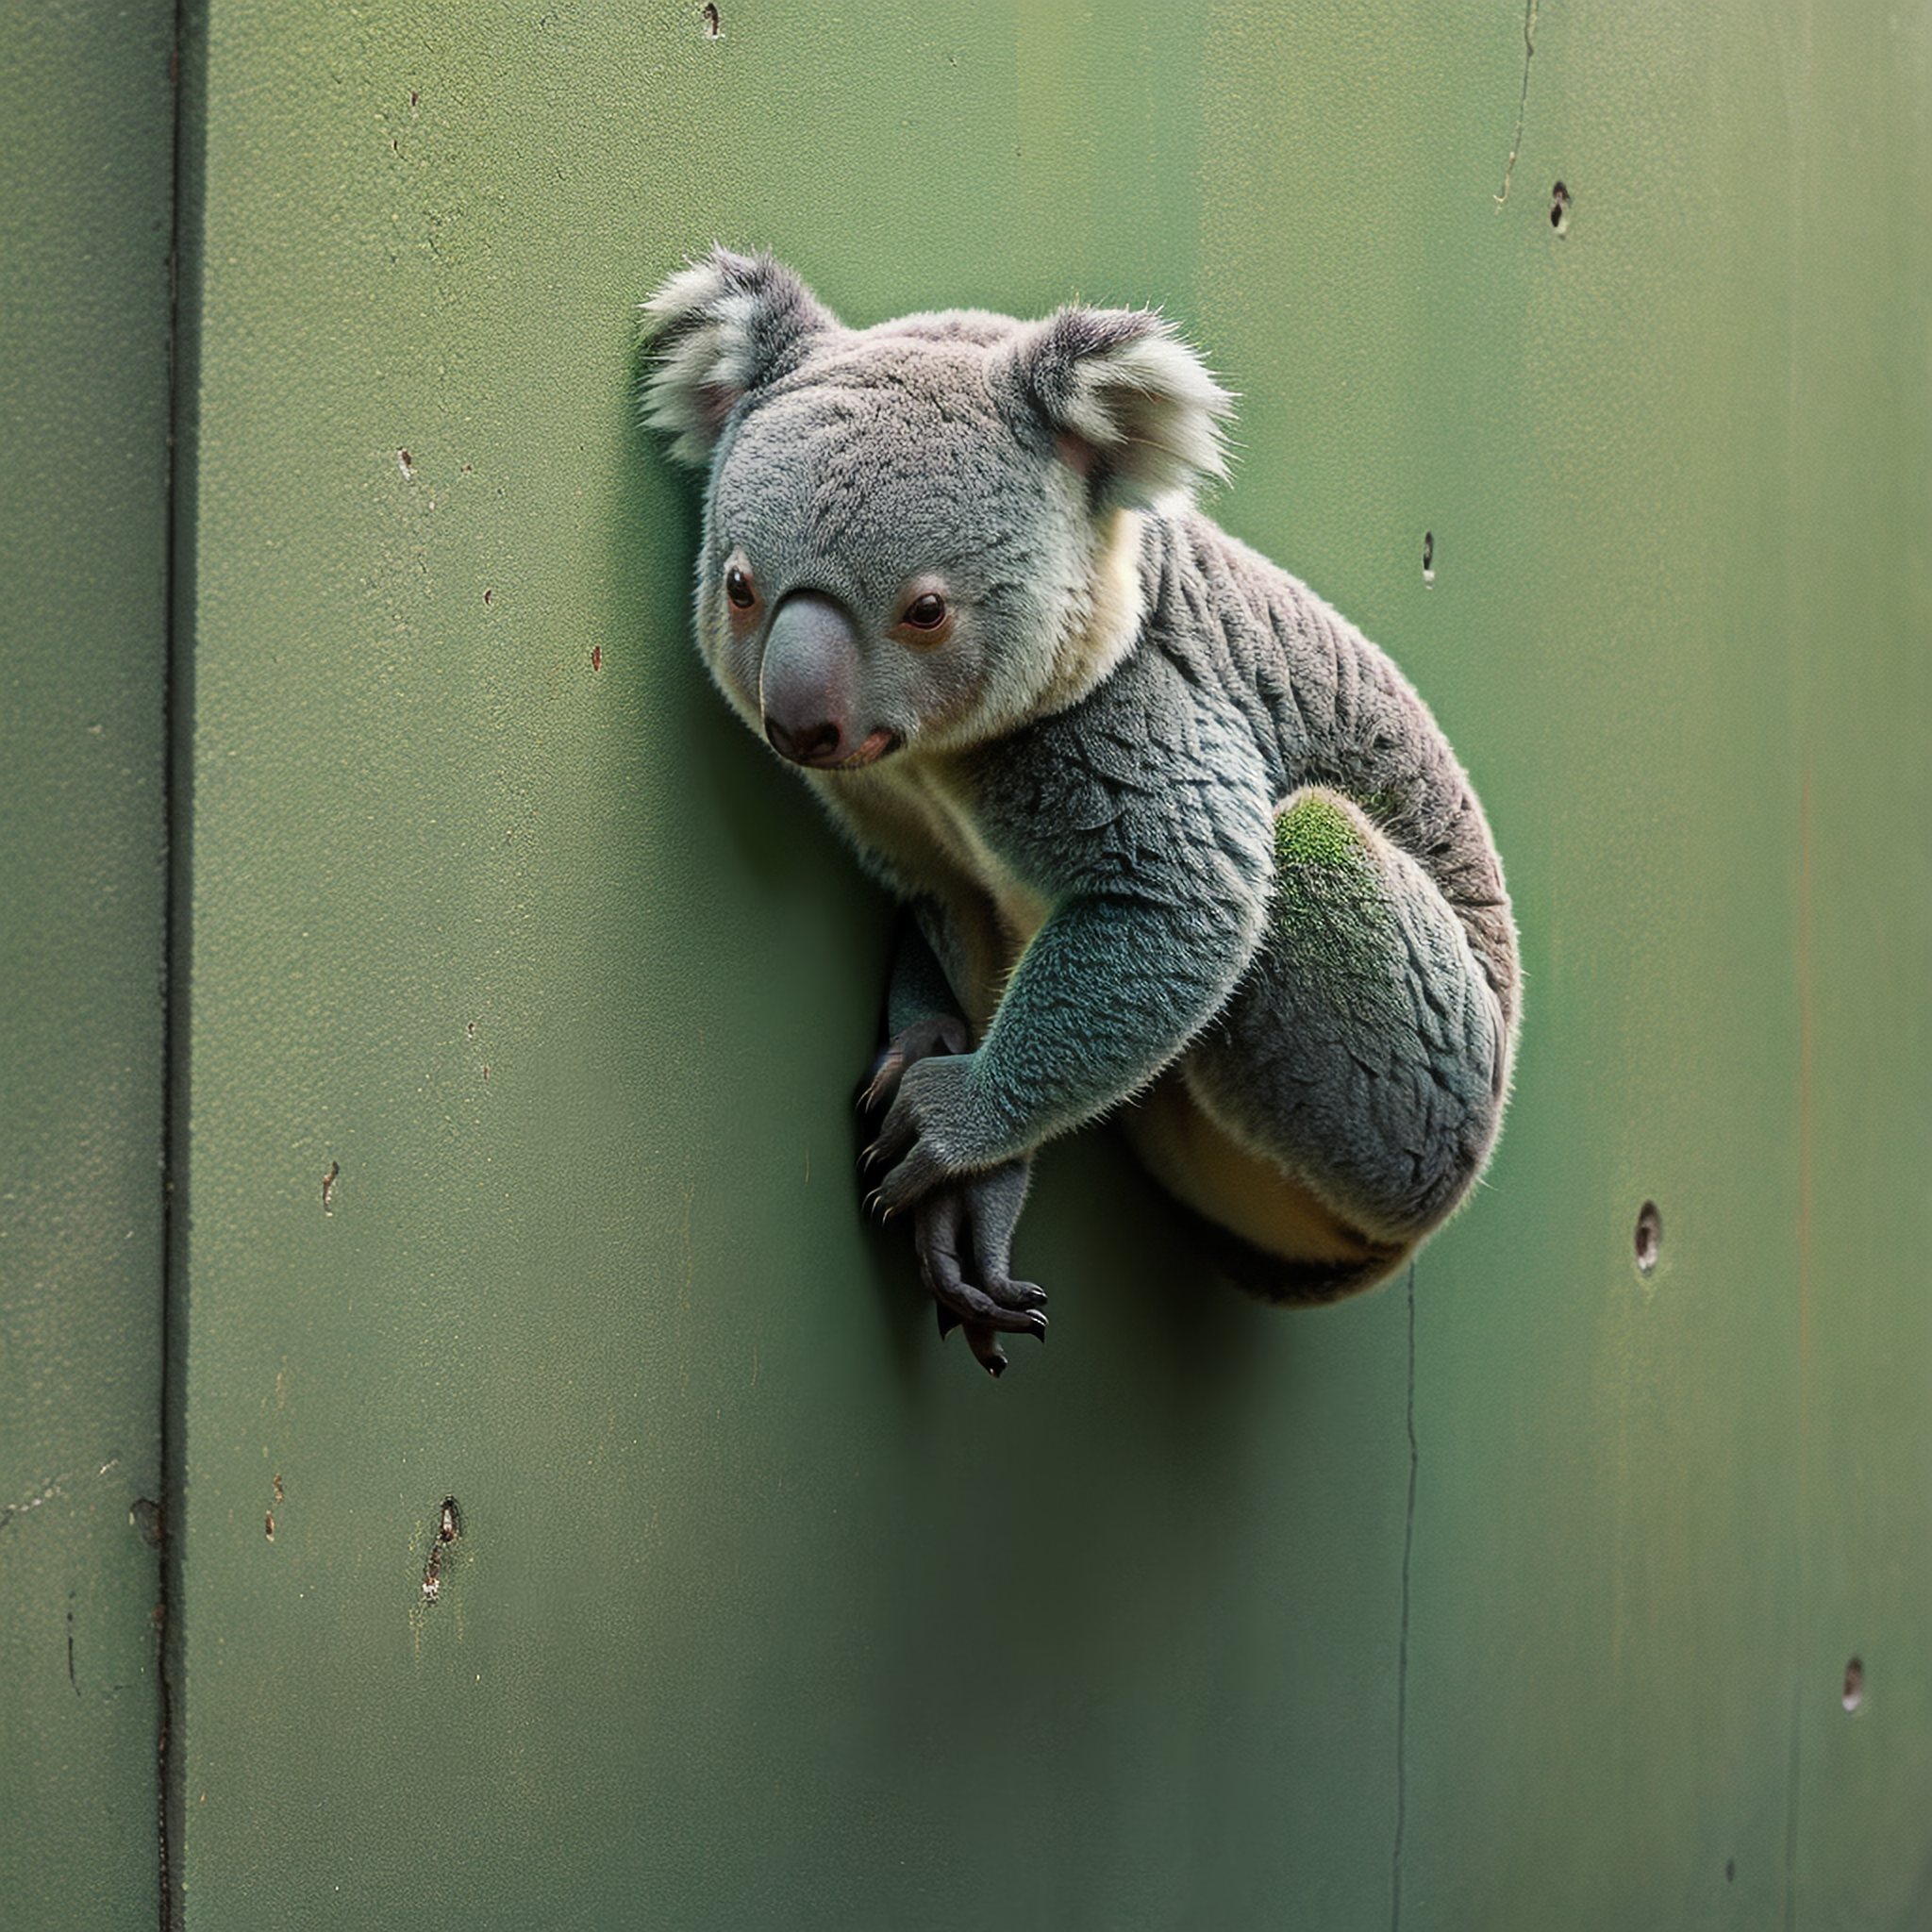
(1518, 1595)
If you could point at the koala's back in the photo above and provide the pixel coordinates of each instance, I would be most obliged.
(1327, 706)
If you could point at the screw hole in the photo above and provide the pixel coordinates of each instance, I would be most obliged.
(1650, 1237)
(1855, 1685)
(1428, 558)
(1559, 209)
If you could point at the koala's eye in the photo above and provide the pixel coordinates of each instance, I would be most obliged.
(740, 588)
(925, 614)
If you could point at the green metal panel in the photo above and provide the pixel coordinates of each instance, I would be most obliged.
(526, 995)
(87, 135)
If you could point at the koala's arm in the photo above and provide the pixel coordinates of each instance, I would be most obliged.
(1147, 821)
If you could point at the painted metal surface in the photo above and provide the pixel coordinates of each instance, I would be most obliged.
(526, 996)
(87, 156)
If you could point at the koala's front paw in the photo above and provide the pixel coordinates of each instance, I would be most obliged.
(967, 1224)
(963, 1224)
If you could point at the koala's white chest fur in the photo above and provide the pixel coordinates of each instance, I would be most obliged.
(917, 813)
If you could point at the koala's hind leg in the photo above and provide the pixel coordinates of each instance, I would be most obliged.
(1354, 1083)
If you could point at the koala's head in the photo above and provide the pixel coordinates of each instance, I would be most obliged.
(920, 535)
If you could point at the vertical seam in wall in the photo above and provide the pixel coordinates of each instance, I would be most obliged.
(1791, 1807)
(164, 1672)
(1402, 1648)
(177, 590)
(1803, 1234)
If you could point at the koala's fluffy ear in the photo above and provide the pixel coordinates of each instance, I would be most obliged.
(721, 328)
(1131, 406)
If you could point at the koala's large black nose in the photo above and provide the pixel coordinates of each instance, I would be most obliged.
(820, 744)
(810, 680)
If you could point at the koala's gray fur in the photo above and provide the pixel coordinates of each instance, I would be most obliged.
(1178, 841)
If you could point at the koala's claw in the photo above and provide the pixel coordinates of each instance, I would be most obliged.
(909, 1178)
(982, 1341)
(991, 1357)
(943, 1033)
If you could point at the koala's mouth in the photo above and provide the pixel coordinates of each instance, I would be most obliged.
(819, 749)
(870, 753)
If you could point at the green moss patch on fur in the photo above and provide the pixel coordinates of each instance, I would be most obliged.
(1317, 830)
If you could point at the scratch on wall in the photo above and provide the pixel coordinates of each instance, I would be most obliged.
(1523, 99)
(33, 1501)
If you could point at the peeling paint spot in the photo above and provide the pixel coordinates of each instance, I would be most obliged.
(329, 1187)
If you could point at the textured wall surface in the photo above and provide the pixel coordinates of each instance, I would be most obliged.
(87, 143)
(519, 996)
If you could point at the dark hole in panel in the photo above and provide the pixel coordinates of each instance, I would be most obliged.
(1650, 1235)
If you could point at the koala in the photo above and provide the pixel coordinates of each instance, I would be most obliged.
(1177, 842)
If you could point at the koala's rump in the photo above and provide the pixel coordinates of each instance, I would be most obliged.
(1207, 1168)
